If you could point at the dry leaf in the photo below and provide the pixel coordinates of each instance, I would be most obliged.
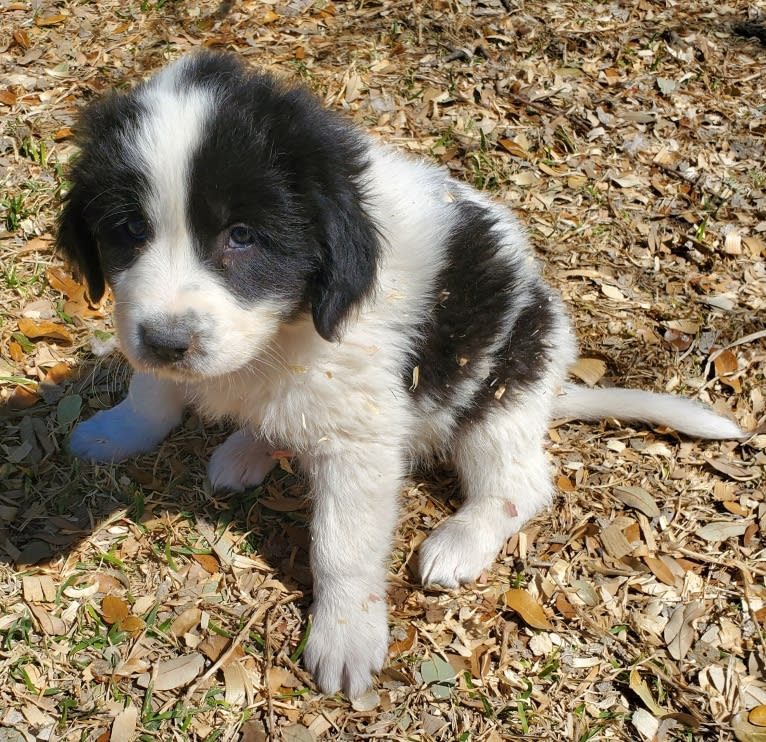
(114, 609)
(50, 20)
(588, 370)
(38, 589)
(564, 484)
(214, 646)
(124, 724)
(179, 671)
(238, 686)
(367, 702)
(279, 677)
(208, 562)
(23, 397)
(297, 733)
(612, 292)
(185, 622)
(513, 148)
(757, 716)
(614, 542)
(679, 633)
(640, 687)
(637, 498)
(732, 469)
(134, 625)
(725, 365)
(721, 530)
(50, 624)
(661, 570)
(745, 730)
(35, 330)
(403, 646)
(678, 340)
(528, 608)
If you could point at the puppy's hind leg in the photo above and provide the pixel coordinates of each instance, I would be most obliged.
(243, 460)
(138, 424)
(505, 479)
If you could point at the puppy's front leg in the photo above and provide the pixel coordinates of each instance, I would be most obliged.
(355, 490)
(138, 424)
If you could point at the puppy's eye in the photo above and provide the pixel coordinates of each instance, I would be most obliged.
(241, 237)
(137, 229)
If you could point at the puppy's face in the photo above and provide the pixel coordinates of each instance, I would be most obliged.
(218, 205)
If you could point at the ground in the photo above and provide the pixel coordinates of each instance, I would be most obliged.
(629, 136)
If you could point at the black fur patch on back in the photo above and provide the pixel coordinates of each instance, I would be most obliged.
(475, 294)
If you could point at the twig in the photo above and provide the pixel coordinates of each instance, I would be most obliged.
(227, 655)
(580, 124)
(268, 664)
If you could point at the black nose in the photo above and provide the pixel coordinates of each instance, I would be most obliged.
(168, 342)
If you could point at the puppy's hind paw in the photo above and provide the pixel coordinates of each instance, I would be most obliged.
(457, 552)
(112, 435)
(243, 460)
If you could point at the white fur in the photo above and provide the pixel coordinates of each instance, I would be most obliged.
(682, 414)
(341, 406)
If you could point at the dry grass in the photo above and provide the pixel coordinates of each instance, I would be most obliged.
(630, 137)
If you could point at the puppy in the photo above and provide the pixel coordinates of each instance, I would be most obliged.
(272, 265)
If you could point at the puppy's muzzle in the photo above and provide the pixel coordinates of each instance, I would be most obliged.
(168, 340)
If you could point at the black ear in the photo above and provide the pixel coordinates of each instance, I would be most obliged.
(350, 246)
(78, 244)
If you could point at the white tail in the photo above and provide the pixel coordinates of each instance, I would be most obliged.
(685, 415)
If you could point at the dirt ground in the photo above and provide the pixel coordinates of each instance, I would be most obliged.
(629, 136)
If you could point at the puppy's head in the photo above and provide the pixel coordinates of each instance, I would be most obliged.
(218, 204)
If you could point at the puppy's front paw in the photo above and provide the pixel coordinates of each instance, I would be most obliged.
(241, 461)
(348, 645)
(457, 552)
(113, 435)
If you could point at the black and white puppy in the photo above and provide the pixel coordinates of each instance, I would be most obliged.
(272, 265)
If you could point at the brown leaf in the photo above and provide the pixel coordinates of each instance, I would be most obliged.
(7, 97)
(528, 608)
(23, 397)
(62, 281)
(185, 622)
(50, 20)
(403, 646)
(725, 366)
(134, 625)
(58, 373)
(213, 646)
(589, 370)
(208, 562)
(513, 148)
(757, 716)
(660, 570)
(114, 609)
(564, 484)
(21, 37)
(678, 340)
(564, 607)
(35, 329)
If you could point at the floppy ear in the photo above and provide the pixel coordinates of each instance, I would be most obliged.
(350, 245)
(78, 244)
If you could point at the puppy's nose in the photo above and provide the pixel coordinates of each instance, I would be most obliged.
(168, 342)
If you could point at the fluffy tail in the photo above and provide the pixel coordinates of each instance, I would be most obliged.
(685, 415)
